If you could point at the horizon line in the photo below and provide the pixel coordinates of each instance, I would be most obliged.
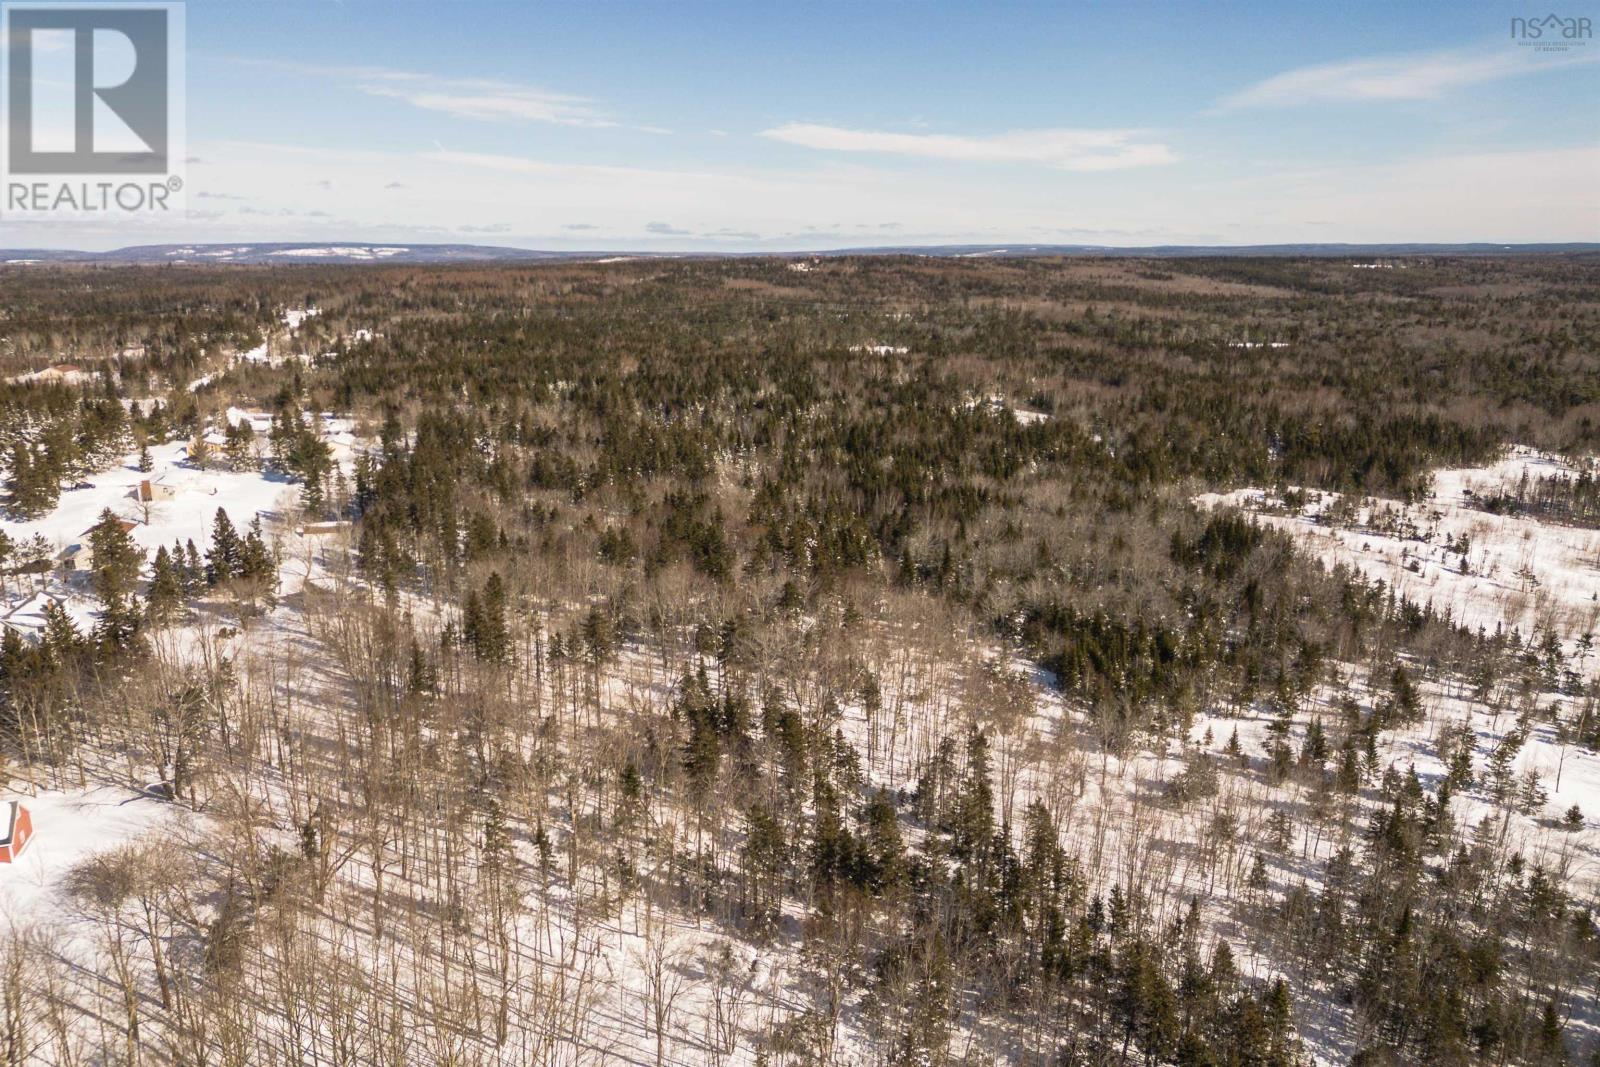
(379, 251)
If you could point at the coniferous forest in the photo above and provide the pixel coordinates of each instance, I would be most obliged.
(708, 661)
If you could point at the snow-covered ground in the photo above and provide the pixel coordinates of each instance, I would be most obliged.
(346, 251)
(293, 317)
(197, 384)
(1000, 405)
(1488, 572)
(1514, 571)
(199, 493)
(64, 374)
(68, 828)
(188, 498)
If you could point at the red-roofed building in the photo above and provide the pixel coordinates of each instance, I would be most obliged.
(16, 830)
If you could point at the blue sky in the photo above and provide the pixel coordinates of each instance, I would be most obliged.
(787, 126)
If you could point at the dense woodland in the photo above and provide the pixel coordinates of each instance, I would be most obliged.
(654, 569)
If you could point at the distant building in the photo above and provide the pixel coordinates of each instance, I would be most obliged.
(76, 557)
(147, 491)
(128, 526)
(79, 556)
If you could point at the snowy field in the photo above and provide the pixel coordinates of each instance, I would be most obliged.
(1515, 571)
(69, 827)
(1488, 572)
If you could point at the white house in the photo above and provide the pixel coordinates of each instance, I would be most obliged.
(78, 556)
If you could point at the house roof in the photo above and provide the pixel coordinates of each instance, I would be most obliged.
(128, 526)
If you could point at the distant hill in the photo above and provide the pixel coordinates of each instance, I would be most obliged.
(361, 252)
(1174, 251)
(284, 252)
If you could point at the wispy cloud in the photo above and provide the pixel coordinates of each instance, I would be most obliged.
(492, 161)
(1064, 149)
(1422, 76)
(483, 99)
(57, 41)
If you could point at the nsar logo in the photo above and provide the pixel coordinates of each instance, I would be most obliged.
(1552, 33)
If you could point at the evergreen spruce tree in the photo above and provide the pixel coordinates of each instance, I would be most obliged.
(702, 756)
(33, 485)
(223, 562)
(13, 655)
(311, 460)
(240, 438)
(61, 641)
(884, 844)
(256, 564)
(472, 628)
(494, 640)
(199, 450)
(422, 678)
(118, 628)
(116, 558)
(194, 571)
(972, 821)
(164, 600)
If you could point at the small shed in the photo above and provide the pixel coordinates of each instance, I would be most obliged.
(148, 491)
(16, 830)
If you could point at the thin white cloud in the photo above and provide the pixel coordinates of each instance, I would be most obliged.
(40, 42)
(1510, 196)
(524, 165)
(1064, 149)
(1535, 195)
(1408, 77)
(483, 99)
